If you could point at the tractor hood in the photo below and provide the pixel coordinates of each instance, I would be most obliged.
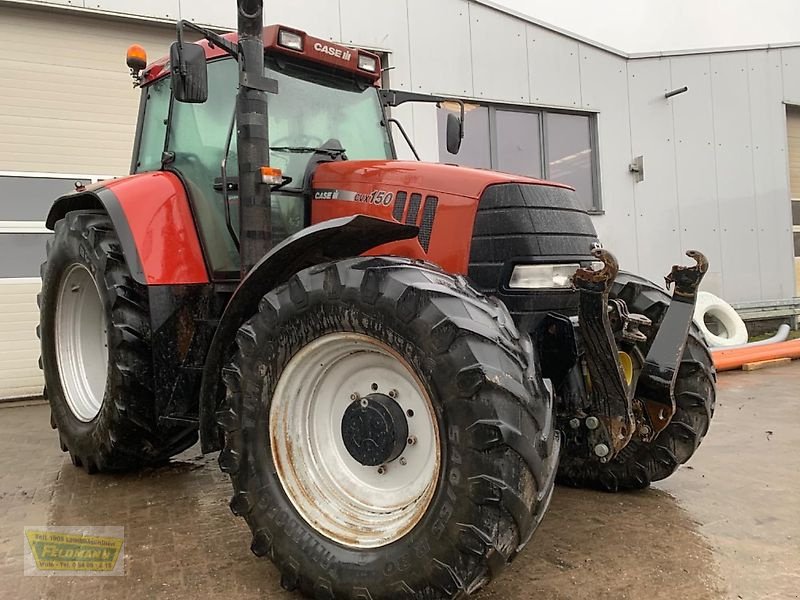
(426, 177)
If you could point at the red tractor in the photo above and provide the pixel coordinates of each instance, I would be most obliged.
(396, 360)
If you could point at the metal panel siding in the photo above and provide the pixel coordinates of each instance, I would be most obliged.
(19, 347)
(790, 58)
(735, 186)
(553, 68)
(65, 2)
(657, 217)
(162, 9)
(319, 18)
(696, 165)
(773, 209)
(604, 87)
(441, 47)
(219, 14)
(358, 15)
(67, 101)
(425, 135)
(499, 58)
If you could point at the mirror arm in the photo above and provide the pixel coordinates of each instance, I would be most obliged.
(213, 38)
(397, 97)
(405, 136)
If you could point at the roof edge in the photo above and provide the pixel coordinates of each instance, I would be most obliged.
(551, 27)
(713, 50)
(631, 55)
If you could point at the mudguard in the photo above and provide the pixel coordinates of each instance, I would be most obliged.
(153, 221)
(325, 242)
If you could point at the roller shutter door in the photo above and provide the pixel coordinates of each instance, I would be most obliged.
(67, 111)
(793, 131)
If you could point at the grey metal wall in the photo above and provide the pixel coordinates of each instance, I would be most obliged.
(715, 157)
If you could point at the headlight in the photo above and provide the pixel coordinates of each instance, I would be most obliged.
(542, 276)
(290, 40)
(367, 63)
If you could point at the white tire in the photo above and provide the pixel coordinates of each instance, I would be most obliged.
(733, 330)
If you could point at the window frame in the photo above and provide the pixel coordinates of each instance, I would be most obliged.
(597, 195)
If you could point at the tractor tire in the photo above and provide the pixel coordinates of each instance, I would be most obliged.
(95, 338)
(445, 366)
(641, 463)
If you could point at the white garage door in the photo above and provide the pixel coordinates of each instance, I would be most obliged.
(67, 111)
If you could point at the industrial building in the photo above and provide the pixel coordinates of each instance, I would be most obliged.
(669, 151)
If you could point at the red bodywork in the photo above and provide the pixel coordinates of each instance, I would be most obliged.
(456, 190)
(164, 233)
(320, 52)
(160, 219)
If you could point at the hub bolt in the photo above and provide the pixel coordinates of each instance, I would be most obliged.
(364, 403)
(393, 394)
(574, 423)
(403, 461)
(601, 450)
(412, 440)
(592, 423)
(354, 396)
(381, 470)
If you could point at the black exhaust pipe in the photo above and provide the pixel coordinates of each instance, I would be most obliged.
(252, 135)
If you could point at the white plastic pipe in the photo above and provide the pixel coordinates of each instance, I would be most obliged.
(780, 336)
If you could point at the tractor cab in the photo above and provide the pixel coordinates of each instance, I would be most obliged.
(327, 108)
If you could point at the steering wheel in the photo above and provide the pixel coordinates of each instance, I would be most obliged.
(306, 141)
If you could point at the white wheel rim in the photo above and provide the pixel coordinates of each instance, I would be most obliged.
(352, 504)
(81, 343)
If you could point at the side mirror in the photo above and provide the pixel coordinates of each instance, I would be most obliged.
(189, 72)
(455, 133)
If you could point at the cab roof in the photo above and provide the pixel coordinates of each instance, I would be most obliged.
(314, 51)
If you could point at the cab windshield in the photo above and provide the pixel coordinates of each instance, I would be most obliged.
(309, 111)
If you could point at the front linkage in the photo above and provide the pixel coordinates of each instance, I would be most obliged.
(621, 406)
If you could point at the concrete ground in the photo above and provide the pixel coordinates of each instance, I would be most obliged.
(725, 526)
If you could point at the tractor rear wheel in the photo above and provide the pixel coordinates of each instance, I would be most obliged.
(95, 336)
(387, 433)
(641, 463)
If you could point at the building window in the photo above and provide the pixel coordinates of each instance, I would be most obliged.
(551, 145)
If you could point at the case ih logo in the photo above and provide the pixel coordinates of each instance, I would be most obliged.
(345, 55)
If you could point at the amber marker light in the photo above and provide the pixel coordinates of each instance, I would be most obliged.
(271, 176)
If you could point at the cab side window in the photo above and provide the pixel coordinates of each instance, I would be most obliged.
(154, 126)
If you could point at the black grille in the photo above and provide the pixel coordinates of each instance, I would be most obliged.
(413, 209)
(428, 214)
(399, 206)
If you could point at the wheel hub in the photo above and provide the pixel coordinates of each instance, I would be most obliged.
(374, 430)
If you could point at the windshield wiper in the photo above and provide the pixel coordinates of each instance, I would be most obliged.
(332, 152)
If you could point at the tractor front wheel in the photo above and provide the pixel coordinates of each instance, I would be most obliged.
(95, 335)
(387, 433)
